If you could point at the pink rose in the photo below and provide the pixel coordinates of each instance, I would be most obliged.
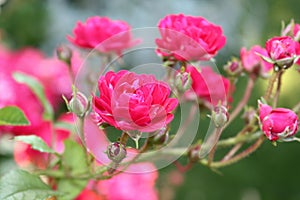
(189, 38)
(127, 186)
(253, 63)
(208, 86)
(129, 101)
(282, 50)
(278, 123)
(113, 35)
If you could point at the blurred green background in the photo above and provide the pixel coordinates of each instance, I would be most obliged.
(271, 173)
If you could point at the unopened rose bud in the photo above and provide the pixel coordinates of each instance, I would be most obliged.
(279, 123)
(233, 68)
(193, 153)
(116, 152)
(282, 51)
(220, 116)
(249, 115)
(64, 53)
(183, 81)
(78, 104)
(161, 136)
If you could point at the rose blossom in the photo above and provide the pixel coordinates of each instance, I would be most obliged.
(129, 101)
(278, 123)
(127, 186)
(189, 38)
(253, 63)
(282, 50)
(113, 35)
(208, 86)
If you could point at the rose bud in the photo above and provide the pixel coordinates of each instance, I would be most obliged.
(64, 53)
(78, 104)
(161, 136)
(183, 81)
(194, 153)
(233, 67)
(279, 123)
(116, 152)
(220, 116)
(282, 51)
(249, 115)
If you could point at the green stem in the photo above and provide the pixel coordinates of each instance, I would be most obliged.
(81, 131)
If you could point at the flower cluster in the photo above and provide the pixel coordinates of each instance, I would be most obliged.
(73, 153)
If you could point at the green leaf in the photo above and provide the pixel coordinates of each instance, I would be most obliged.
(21, 185)
(36, 143)
(38, 89)
(71, 188)
(74, 162)
(12, 115)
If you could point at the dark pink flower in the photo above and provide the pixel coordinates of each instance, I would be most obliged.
(253, 63)
(278, 123)
(189, 38)
(129, 101)
(282, 50)
(208, 86)
(104, 34)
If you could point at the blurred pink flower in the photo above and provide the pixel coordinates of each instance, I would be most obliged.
(25, 156)
(208, 86)
(129, 101)
(189, 38)
(278, 123)
(253, 63)
(104, 34)
(51, 72)
(129, 186)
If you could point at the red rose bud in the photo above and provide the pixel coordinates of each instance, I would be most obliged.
(78, 104)
(116, 152)
(282, 51)
(194, 153)
(220, 116)
(183, 81)
(279, 123)
(64, 53)
(233, 67)
(249, 115)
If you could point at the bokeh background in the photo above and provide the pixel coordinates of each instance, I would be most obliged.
(271, 173)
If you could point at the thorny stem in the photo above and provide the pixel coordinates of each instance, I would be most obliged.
(214, 139)
(243, 101)
(236, 158)
(277, 88)
(271, 85)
